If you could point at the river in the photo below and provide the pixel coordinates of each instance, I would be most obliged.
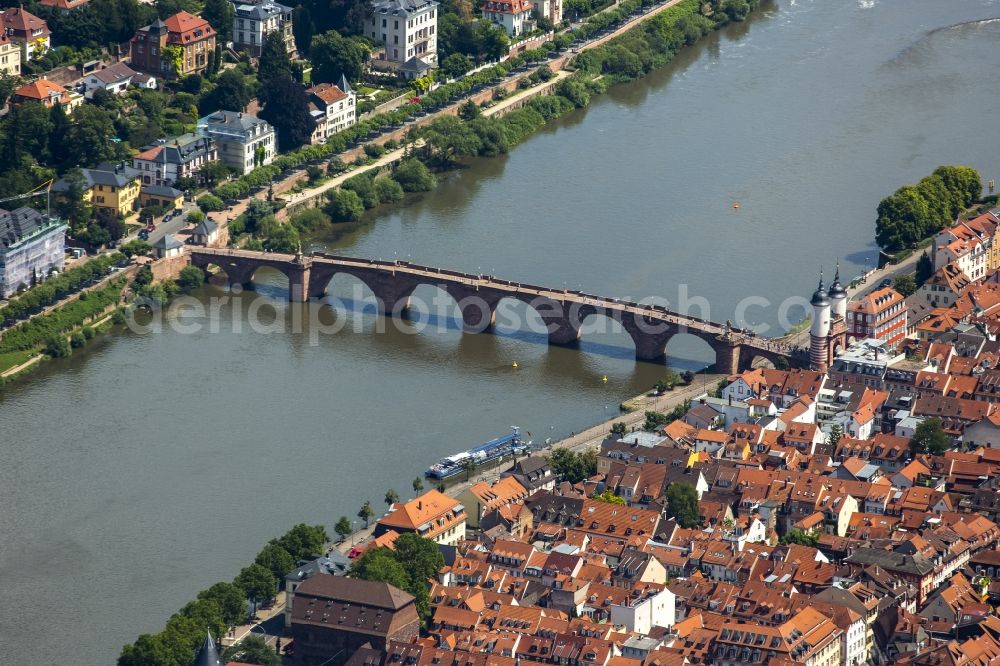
(151, 466)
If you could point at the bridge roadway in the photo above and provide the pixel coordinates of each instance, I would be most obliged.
(562, 311)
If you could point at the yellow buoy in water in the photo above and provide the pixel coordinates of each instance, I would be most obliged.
(736, 205)
(604, 379)
(514, 365)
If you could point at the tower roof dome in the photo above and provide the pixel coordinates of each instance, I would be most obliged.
(836, 289)
(820, 297)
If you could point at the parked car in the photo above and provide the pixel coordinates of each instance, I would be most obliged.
(885, 283)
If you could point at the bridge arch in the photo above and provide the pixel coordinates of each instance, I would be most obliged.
(688, 349)
(349, 292)
(519, 317)
(270, 280)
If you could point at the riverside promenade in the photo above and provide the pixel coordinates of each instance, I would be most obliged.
(587, 439)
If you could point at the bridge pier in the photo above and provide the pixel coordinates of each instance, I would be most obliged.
(298, 282)
(727, 355)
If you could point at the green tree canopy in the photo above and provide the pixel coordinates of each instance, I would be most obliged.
(231, 93)
(304, 540)
(905, 284)
(930, 437)
(257, 582)
(220, 14)
(366, 512)
(682, 504)
(449, 137)
(274, 62)
(414, 176)
(286, 106)
(275, 559)
(343, 527)
(609, 497)
(903, 219)
(232, 601)
(572, 466)
(333, 55)
(344, 206)
(421, 557)
(252, 650)
(379, 564)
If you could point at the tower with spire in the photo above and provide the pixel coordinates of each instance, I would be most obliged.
(820, 329)
(209, 654)
(828, 333)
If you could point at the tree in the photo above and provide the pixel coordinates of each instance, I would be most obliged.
(333, 55)
(275, 559)
(8, 84)
(930, 437)
(195, 217)
(366, 513)
(655, 420)
(413, 176)
(143, 276)
(803, 538)
(90, 139)
(448, 138)
(364, 187)
(905, 284)
(343, 528)
(682, 504)
(925, 268)
(252, 650)
(190, 278)
(903, 219)
(274, 62)
(286, 106)
(469, 111)
(304, 540)
(219, 13)
(231, 600)
(379, 564)
(609, 497)
(344, 206)
(391, 497)
(231, 93)
(571, 466)
(258, 583)
(303, 29)
(836, 432)
(418, 484)
(963, 182)
(618, 429)
(57, 346)
(58, 134)
(135, 248)
(456, 65)
(421, 557)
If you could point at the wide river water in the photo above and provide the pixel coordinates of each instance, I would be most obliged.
(151, 466)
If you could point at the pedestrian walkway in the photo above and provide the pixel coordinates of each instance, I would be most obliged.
(238, 633)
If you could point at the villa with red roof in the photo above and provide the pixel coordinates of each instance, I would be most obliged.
(175, 47)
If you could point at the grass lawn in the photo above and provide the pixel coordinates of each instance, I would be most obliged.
(10, 359)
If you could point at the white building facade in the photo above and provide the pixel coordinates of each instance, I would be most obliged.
(244, 142)
(408, 31)
(253, 22)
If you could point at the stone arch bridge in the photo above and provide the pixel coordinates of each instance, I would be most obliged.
(562, 311)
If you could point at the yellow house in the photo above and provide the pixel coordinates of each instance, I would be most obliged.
(161, 195)
(10, 56)
(112, 186)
